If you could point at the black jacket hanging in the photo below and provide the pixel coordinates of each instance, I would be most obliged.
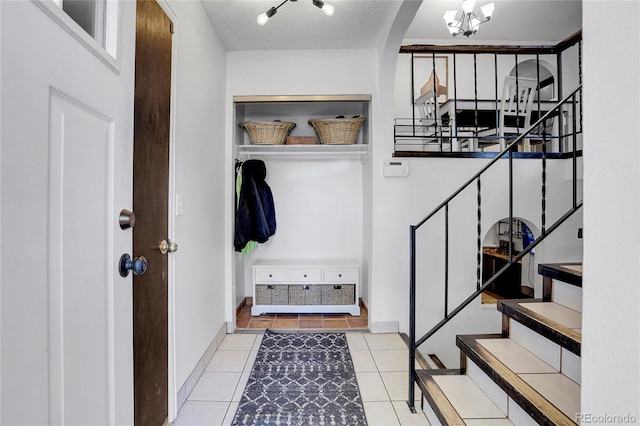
(255, 215)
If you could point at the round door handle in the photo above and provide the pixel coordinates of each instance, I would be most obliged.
(138, 265)
(167, 246)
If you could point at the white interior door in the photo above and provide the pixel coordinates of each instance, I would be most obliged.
(66, 172)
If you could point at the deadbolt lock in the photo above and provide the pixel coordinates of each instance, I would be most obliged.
(127, 219)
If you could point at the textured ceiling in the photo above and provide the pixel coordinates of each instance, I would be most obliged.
(367, 23)
(301, 25)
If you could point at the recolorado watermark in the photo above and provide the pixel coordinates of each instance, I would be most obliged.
(585, 418)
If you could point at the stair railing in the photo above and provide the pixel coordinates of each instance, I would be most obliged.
(414, 342)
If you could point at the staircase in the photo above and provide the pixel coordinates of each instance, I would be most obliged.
(528, 374)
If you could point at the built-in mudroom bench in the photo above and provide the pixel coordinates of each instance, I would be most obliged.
(306, 286)
(314, 262)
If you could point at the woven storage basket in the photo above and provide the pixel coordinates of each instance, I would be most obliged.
(305, 294)
(272, 294)
(343, 294)
(337, 131)
(268, 132)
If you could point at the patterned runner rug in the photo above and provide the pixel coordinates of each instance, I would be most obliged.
(302, 379)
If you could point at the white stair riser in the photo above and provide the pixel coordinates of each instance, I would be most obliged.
(430, 414)
(538, 345)
(488, 386)
(572, 366)
(567, 295)
(499, 397)
(518, 416)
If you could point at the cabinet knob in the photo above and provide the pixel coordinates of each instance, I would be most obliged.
(339, 275)
(270, 275)
(305, 275)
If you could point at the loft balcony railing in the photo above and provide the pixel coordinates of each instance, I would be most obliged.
(454, 113)
(508, 153)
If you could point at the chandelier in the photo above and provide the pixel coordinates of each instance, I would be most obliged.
(469, 22)
(263, 18)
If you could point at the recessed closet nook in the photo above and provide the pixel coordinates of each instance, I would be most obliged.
(314, 261)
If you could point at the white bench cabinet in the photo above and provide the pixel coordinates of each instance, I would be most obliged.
(306, 286)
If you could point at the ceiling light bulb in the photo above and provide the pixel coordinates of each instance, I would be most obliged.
(475, 23)
(450, 16)
(467, 5)
(262, 19)
(487, 10)
(328, 9)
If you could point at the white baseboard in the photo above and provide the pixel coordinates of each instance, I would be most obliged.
(195, 375)
(385, 327)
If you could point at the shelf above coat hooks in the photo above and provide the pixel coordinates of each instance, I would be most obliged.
(336, 152)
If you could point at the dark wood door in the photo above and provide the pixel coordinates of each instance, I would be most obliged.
(150, 204)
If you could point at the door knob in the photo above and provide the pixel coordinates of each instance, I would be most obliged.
(138, 265)
(167, 246)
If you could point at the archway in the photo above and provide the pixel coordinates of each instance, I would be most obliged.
(519, 281)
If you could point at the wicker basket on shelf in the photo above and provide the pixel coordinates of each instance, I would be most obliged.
(268, 132)
(337, 131)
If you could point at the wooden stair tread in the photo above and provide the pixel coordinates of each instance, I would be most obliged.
(514, 384)
(458, 400)
(488, 422)
(544, 318)
(436, 398)
(564, 392)
(515, 357)
(567, 272)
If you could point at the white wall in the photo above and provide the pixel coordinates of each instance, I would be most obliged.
(198, 173)
(318, 211)
(611, 349)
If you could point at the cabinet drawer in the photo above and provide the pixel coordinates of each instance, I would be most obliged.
(305, 294)
(340, 276)
(341, 294)
(272, 294)
(275, 275)
(305, 275)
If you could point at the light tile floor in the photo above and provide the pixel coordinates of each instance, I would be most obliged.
(380, 362)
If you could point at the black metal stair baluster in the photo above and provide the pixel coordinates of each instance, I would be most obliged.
(452, 115)
(412, 317)
(475, 91)
(561, 136)
(580, 82)
(435, 100)
(413, 101)
(544, 189)
(539, 88)
(495, 88)
(575, 153)
(511, 203)
(517, 97)
(479, 239)
(446, 260)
